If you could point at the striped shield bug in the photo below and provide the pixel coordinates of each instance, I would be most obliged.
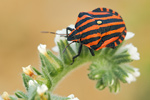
(97, 29)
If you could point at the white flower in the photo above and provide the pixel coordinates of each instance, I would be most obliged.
(32, 82)
(27, 70)
(71, 97)
(71, 26)
(117, 90)
(112, 82)
(129, 35)
(1, 98)
(59, 37)
(136, 72)
(42, 89)
(42, 49)
(5, 96)
(132, 50)
(130, 78)
(132, 75)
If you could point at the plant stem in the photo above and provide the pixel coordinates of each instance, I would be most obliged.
(66, 71)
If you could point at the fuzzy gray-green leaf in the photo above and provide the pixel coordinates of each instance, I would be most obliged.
(26, 80)
(49, 67)
(56, 97)
(22, 95)
(47, 76)
(96, 74)
(100, 85)
(120, 73)
(68, 54)
(12, 98)
(36, 71)
(32, 92)
(58, 63)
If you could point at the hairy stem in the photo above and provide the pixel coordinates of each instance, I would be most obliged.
(66, 71)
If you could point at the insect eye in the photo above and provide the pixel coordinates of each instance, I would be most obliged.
(99, 22)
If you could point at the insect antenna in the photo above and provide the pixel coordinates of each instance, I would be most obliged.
(53, 33)
(67, 46)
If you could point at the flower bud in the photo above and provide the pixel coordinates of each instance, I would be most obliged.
(129, 35)
(130, 78)
(42, 49)
(117, 87)
(136, 72)
(28, 71)
(120, 74)
(68, 54)
(71, 97)
(51, 63)
(5, 96)
(100, 85)
(42, 89)
(132, 73)
(111, 82)
(59, 38)
(32, 82)
(132, 50)
(96, 74)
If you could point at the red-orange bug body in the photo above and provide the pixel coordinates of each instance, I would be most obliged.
(98, 29)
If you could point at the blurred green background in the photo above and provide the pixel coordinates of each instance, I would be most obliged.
(22, 20)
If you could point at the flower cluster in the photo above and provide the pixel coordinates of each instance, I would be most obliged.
(59, 37)
(108, 68)
(71, 97)
(110, 65)
(132, 76)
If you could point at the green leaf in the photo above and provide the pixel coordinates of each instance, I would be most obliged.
(84, 52)
(12, 98)
(49, 96)
(32, 92)
(96, 74)
(47, 76)
(105, 79)
(26, 80)
(55, 97)
(98, 52)
(37, 97)
(120, 73)
(106, 50)
(100, 85)
(36, 71)
(68, 54)
(57, 62)
(122, 60)
(20, 94)
(110, 78)
(41, 80)
(127, 68)
(48, 66)
(115, 88)
(93, 66)
(121, 56)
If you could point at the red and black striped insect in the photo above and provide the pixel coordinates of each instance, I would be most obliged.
(97, 29)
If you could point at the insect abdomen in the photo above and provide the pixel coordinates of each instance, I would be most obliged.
(101, 28)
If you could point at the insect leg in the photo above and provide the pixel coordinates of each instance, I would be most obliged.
(80, 48)
(92, 52)
(70, 29)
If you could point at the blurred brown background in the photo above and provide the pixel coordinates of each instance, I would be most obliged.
(22, 20)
